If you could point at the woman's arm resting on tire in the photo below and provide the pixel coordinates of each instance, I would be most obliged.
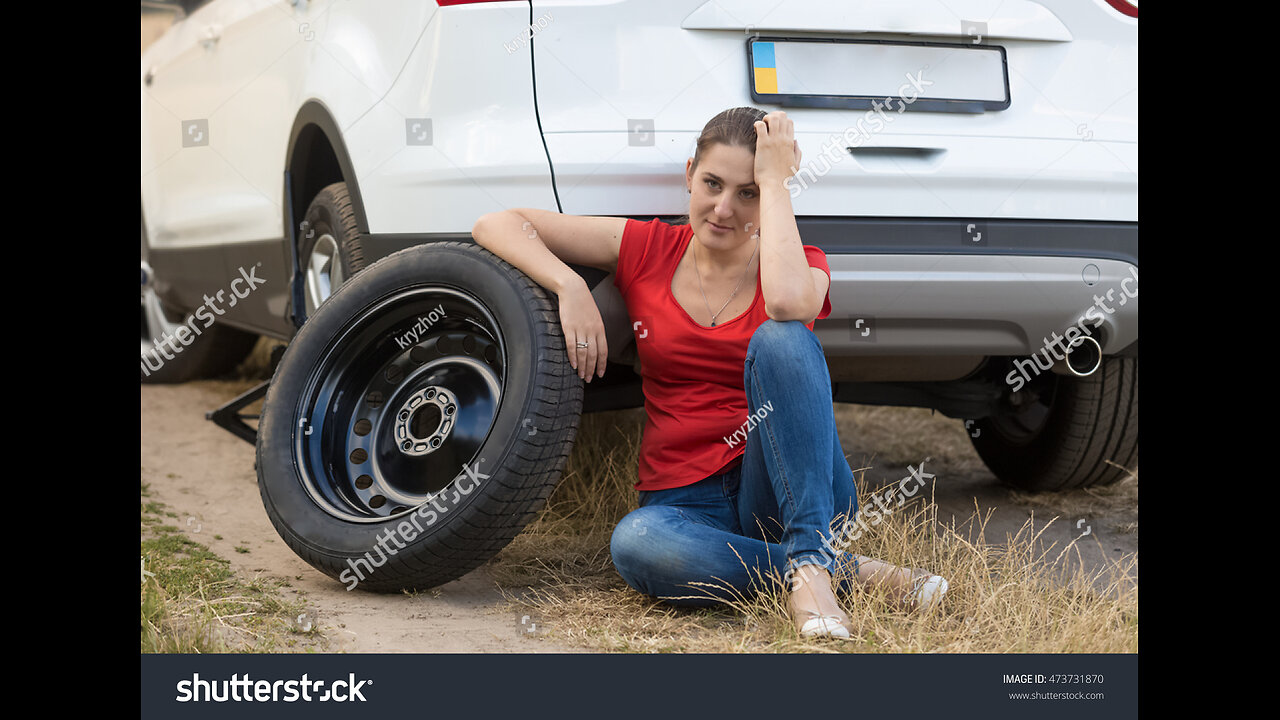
(538, 242)
(513, 237)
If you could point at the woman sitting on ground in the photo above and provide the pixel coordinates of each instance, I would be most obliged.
(741, 471)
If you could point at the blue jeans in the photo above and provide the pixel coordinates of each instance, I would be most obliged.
(726, 536)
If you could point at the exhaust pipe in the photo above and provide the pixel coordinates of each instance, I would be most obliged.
(1083, 357)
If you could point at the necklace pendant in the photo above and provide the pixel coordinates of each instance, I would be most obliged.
(713, 323)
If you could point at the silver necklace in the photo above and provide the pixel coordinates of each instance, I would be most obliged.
(698, 272)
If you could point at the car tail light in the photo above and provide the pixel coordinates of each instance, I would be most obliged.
(445, 3)
(1127, 7)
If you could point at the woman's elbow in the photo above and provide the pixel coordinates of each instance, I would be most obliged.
(798, 309)
(479, 228)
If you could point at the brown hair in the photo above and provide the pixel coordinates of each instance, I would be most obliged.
(735, 127)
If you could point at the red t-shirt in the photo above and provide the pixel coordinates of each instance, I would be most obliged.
(692, 375)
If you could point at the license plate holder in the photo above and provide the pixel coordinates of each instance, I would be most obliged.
(854, 74)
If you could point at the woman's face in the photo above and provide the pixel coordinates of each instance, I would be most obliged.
(724, 201)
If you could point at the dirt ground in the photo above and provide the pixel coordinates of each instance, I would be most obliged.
(206, 475)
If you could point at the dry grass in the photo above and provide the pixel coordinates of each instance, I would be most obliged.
(191, 602)
(897, 434)
(1006, 597)
(257, 365)
(1086, 502)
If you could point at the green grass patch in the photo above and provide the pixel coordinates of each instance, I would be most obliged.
(192, 602)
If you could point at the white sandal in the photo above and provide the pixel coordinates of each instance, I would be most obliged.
(823, 626)
(927, 590)
(816, 624)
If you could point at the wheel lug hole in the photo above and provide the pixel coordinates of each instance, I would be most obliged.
(364, 482)
(377, 501)
(359, 455)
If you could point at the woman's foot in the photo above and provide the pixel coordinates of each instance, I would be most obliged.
(813, 604)
(912, 588)
(927, 590)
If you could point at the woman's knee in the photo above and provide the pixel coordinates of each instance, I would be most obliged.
(784, 332)
(626, 545)
(638, 546)
(785, 341)
(657, 559)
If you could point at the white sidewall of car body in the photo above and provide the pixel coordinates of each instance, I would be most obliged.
(1066, 148)
(268, 60)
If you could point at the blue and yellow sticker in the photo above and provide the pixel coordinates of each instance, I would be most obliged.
(765, 67)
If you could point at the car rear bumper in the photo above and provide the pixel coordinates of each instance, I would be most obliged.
(903, 287)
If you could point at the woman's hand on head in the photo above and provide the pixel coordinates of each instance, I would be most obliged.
(777, 150)
(580, 319)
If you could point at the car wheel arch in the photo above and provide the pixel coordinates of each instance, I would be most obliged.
(313, 133)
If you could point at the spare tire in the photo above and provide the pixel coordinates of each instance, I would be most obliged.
(419, 420)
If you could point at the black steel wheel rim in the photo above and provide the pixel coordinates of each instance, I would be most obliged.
(400, 403)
